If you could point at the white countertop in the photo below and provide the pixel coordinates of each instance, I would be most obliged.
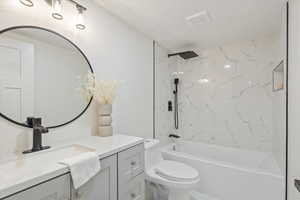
(32, 169)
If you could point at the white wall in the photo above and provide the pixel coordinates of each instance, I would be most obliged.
(116, 52)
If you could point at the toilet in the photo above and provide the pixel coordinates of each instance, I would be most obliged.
(178, 177)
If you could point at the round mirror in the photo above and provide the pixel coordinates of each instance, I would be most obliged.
(41, 73)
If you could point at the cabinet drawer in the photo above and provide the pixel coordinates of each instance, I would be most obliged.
(131, 163)
(133, 190)
(56, 189)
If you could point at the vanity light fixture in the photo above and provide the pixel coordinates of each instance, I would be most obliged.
(27, 3)
(57, 12)
(80, 22)
(56, 9)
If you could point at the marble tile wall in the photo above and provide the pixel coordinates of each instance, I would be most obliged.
(225, 95)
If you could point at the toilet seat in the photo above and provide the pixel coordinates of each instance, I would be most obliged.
(181, 180)
(178, 178)
(176, 171)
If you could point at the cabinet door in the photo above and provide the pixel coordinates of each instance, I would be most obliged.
(101, 187)
(55, 189)
(133, 190)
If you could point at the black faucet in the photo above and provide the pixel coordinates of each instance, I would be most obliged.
(38, 130)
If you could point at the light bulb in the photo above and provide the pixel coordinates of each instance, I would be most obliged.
(80, 22)
(28, 3)
(56, 9)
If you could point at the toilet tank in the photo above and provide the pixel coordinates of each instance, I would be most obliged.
(152, 152)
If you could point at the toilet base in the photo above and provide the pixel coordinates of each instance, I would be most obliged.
(178, 194)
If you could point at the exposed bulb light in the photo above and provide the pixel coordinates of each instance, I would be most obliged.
(56, 9)
(80, 22)
(27, 3)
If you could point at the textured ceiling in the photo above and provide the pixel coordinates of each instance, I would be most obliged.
(231, 20)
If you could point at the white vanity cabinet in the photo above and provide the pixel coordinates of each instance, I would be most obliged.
(121, 178)
(103, 186)
(55, 189)
(131, 164)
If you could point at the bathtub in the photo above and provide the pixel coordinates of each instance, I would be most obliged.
(229, 173)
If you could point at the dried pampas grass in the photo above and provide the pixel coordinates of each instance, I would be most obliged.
(104, 92)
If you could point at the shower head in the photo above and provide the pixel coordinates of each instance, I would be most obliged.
(185, 55)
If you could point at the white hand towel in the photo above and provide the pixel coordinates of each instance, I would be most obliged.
(83, 167)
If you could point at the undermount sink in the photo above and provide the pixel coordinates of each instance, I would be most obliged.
(41, 161)
(58, 154)
(63, 152)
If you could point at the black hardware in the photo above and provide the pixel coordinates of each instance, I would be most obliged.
(297, 184)
(175, 92)
(38, 130)
(174, 136)
(170, 106)
(176, 81)
(76, 47)
(185, 55)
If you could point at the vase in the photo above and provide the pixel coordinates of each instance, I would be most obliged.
(105, 120)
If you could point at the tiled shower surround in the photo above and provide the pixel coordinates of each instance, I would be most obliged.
(225, 95)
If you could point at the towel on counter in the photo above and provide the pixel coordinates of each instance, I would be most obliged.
(83, 167)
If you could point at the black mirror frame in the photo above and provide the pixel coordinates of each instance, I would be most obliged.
(81, 52)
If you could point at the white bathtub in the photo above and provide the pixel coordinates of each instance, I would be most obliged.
(229, 173)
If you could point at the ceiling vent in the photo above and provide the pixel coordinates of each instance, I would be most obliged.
(199, 18)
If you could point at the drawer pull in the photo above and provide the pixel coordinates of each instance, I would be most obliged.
(133, 195)
(133, 163)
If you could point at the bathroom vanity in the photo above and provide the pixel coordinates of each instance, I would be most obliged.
(39, 177)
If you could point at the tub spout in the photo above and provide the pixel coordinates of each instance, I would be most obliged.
(174, 136)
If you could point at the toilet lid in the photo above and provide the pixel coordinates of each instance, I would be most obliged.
(176, 171)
